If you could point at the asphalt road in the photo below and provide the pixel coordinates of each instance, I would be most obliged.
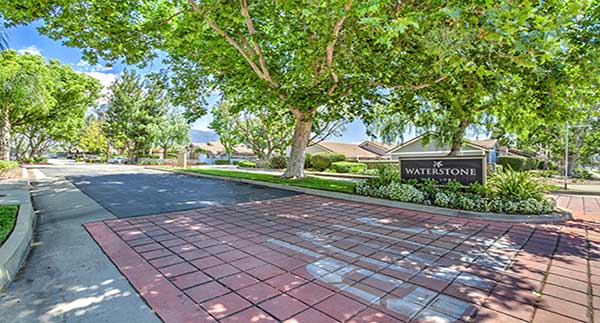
(128, 191)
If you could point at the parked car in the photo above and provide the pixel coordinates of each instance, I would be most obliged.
(118, 160)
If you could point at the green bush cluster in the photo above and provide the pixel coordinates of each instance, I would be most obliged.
(516, 163)
(34, 160)
(582, 173)
(507, 192)
(375, 164)
(222, 162)
(279, 162)
(307, 163)
(322, 161)
(247, 164)
(348, 167)
(6, 166)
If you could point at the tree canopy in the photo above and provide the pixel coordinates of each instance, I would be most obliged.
(454, 56)
(43, 101)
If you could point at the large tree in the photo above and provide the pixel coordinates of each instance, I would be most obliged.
(25, 92)
(310, 55)
(72, 93)
(134, 108)
(171, 131)
(531, 69)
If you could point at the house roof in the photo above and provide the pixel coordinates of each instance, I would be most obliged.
(216, 148)
(348, 150)
(385, 147)
(485, 143)
(478, 144)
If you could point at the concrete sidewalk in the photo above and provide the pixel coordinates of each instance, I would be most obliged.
(67, 278)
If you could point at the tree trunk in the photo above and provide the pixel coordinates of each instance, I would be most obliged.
(5, 135)
(302, 131)
(165, 152)
(457, 138)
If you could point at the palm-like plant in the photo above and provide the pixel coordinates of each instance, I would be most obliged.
(512, 184)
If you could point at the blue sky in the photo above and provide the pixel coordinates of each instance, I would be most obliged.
(27, 38)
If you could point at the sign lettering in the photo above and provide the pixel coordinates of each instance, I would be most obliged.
(464, 170)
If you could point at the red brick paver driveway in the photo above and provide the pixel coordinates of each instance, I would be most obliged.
(584, 207)
(308, 259)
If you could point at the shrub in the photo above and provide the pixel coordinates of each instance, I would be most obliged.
(247, 164)
(279, 162)
(582, 173)
(222, 162)
(6, 166)
(368, 172)
(510, 184)
(516, 163)
(348, 167)
(374, 164)
(322, 161)
(307, 163)
(533, 163)
(404, 193)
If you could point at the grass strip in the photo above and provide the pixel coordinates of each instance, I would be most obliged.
(307, 182)
(8, 215)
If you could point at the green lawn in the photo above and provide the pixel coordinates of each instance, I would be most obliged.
(308, 182)
(8, 214)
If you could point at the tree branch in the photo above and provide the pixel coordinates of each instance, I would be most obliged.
(331, 47)
(252, 32)
(233, 43)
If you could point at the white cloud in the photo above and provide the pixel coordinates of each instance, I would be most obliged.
(33, 50)
(106, 79)
(87, 67)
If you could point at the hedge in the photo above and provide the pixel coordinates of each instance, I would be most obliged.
(247, 164)
(374, 164)
(279, 162)
(348, 167)
(516, 163)
(222, 162)
(322, 161)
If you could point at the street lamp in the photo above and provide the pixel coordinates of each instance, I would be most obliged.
(567, 149)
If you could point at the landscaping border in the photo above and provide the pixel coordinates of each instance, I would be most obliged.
(561, 215)
(15, 249)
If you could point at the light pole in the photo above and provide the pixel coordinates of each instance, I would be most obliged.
(567, 149)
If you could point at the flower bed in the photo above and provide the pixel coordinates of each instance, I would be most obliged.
(507, 192)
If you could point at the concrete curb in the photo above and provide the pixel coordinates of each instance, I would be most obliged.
(568, 192)
(15, 249)
(560, 216)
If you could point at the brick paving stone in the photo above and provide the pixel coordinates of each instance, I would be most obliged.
(283, 306)
(510, 307)
(371, 315)
(312, 316)
(557, 305)
(258, 292)
(543, 316)
(225, 305)
(253, 315)
(238, 281)
(177, 269)
(311, 293)
(566, 294)
(191, 279)
(220, 271)
(286, 282)
(485, 315)
(206, 291)
(340, 307)
(265, 272)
